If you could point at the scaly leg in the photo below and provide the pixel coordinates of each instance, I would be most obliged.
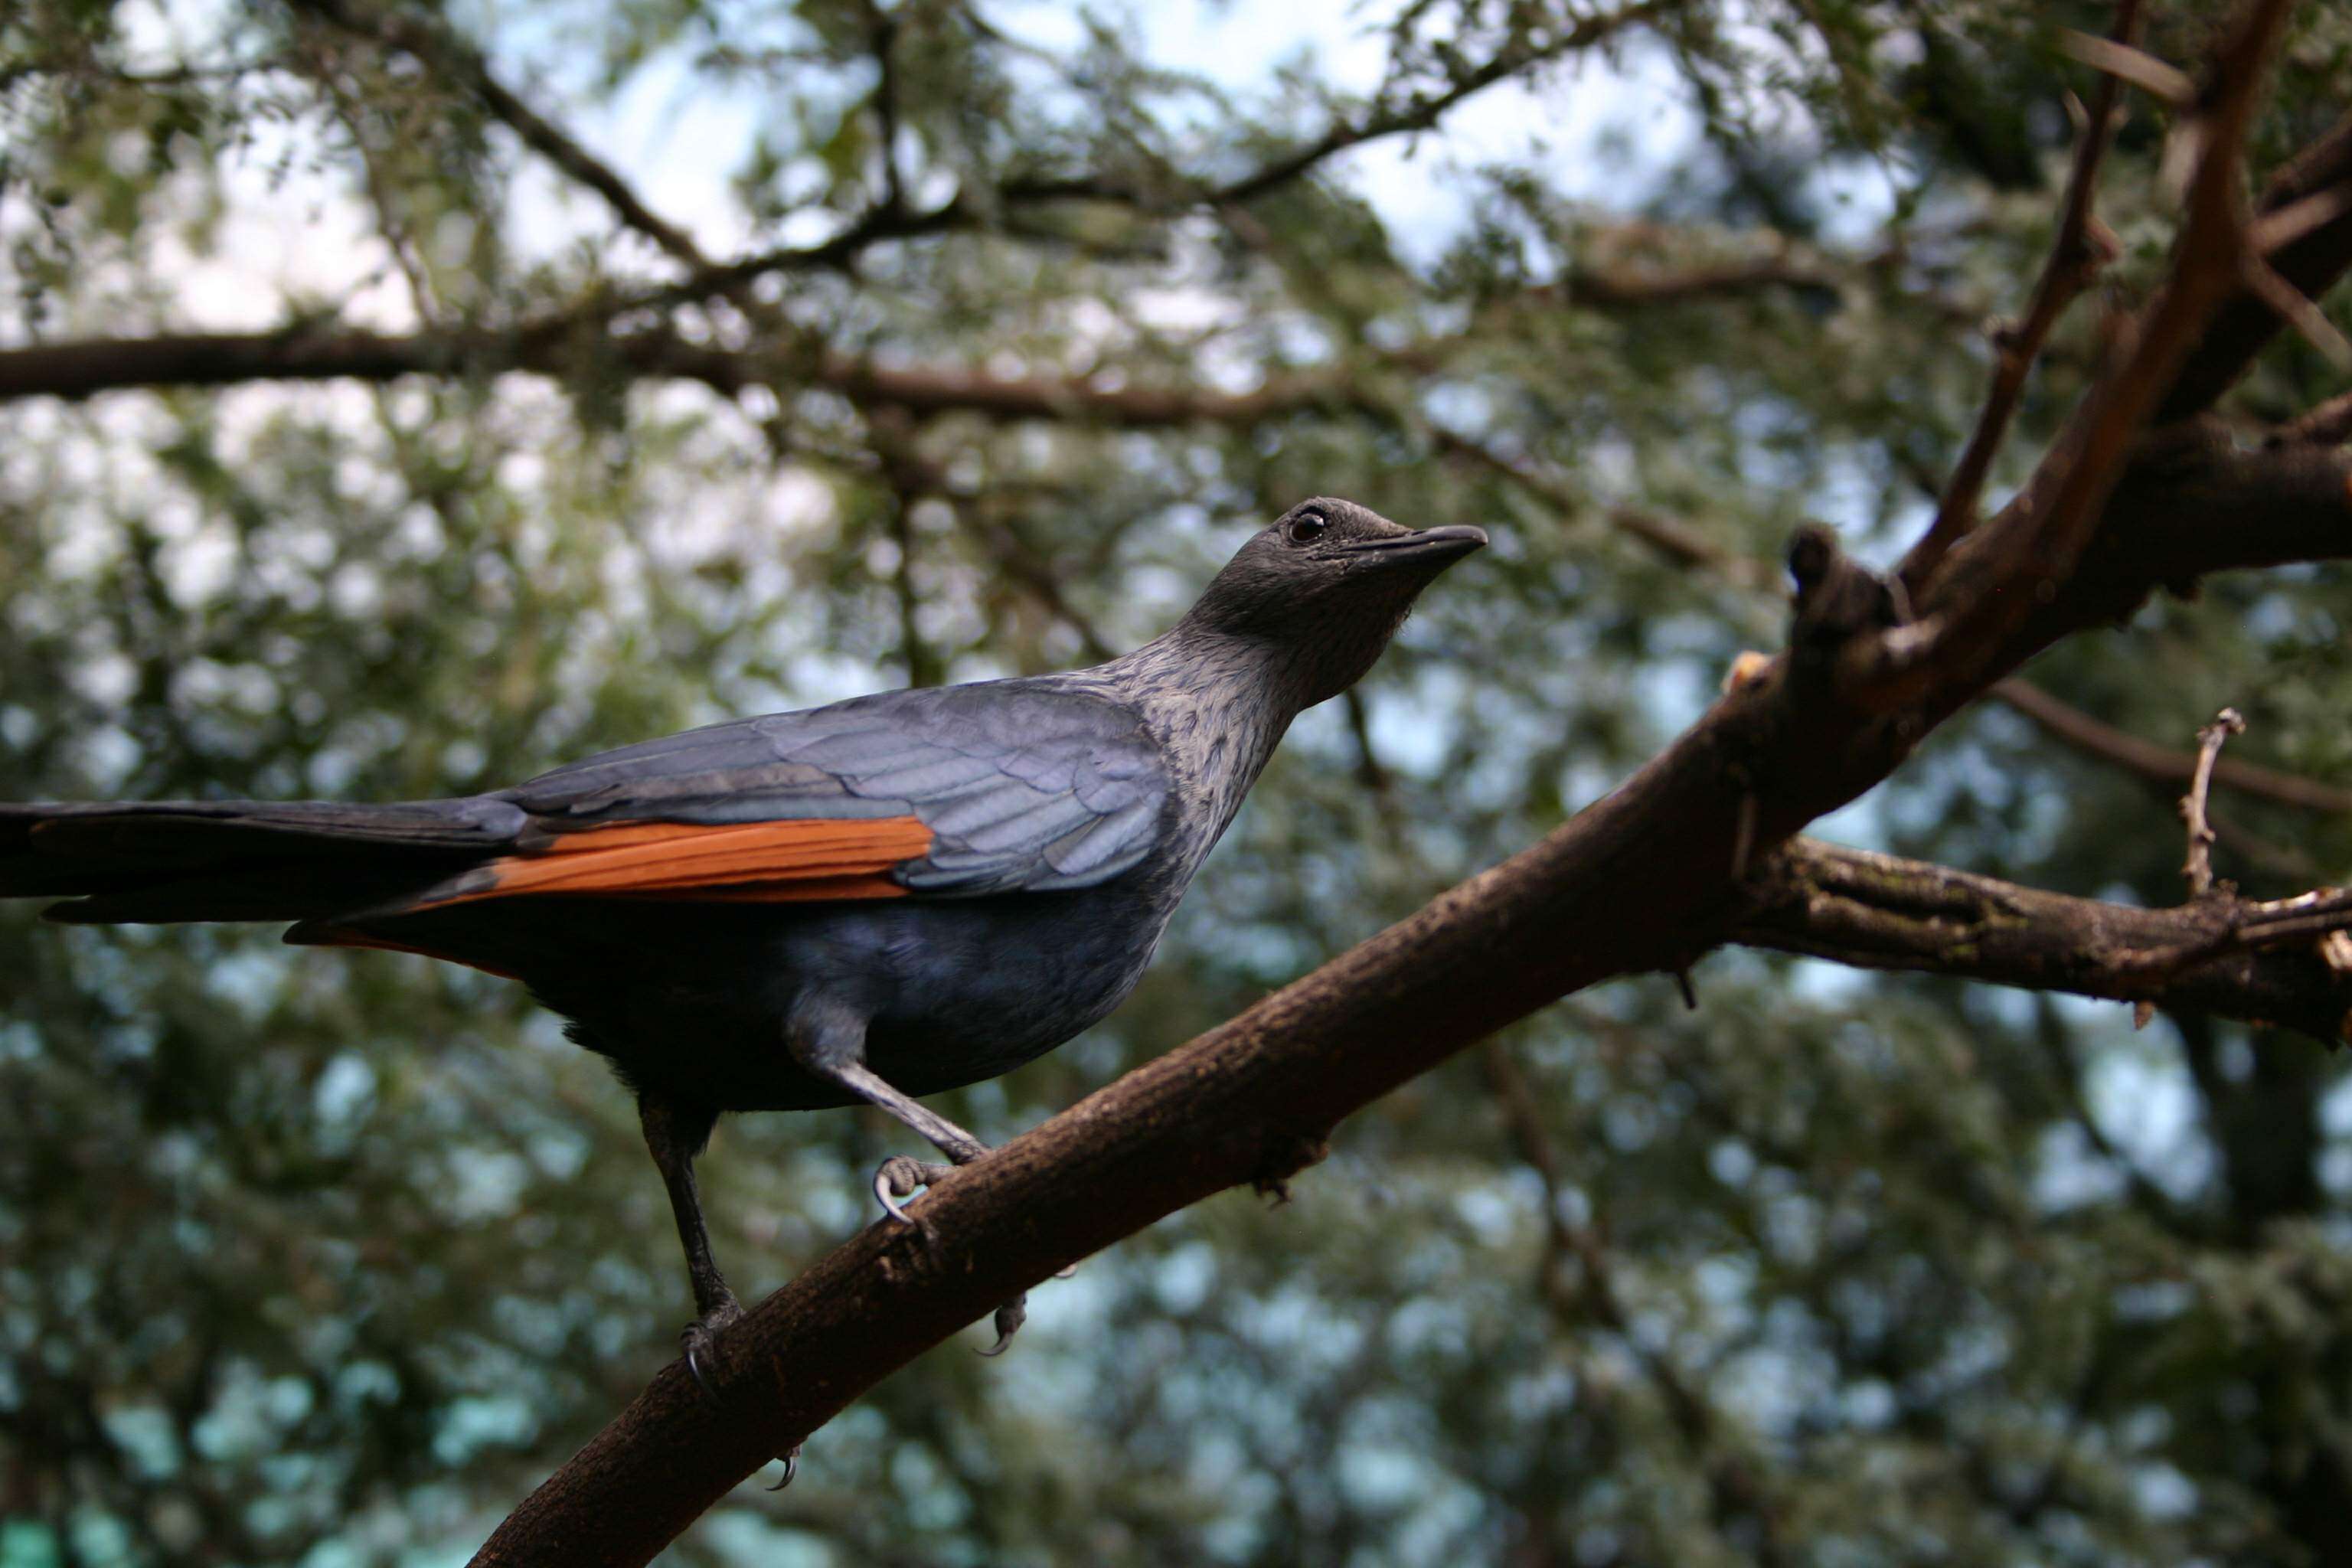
(675, 1133)
(830, 1041)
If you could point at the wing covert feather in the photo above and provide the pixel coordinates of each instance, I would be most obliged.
(945, 792)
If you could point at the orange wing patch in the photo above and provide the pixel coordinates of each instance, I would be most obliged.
(765, 862)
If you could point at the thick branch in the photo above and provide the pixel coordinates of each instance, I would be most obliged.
(1986, 586)
(1877, 911)
(80, 368)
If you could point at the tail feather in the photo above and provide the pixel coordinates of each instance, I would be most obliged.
(231, 860)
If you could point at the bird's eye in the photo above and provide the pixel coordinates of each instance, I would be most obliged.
(1308, 527)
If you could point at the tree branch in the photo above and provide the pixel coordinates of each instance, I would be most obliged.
(1879, 911)
(82, 367)
(442, 51)
(1641, 881)
(1422, 112)
(2244, 324)
(2081, 248)
(2162, 765)
(1985, 586)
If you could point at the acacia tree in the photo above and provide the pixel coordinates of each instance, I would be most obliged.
(1002, 331)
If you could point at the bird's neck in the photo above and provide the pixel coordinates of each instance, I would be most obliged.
(1218, 704)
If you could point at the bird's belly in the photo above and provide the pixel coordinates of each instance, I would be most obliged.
(954, 991)
(973, 995)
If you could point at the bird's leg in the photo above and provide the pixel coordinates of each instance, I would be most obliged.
(899, 1176)
(830, 1041)
(675, 1133)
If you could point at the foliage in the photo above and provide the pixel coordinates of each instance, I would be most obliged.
(325, 1258)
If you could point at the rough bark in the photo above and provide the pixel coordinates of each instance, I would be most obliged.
(1880, 911)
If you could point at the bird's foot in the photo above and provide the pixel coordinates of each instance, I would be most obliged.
(901, 1178)
(699, 1340)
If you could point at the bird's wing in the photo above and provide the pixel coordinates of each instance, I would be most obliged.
(950, 792)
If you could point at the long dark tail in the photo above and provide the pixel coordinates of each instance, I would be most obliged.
(240, 859)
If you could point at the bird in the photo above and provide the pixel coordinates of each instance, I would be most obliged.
(866, 902)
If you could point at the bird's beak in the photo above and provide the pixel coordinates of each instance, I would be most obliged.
(1430, 546)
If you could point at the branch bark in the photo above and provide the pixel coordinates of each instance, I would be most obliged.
(1880, 911)
(82, 367)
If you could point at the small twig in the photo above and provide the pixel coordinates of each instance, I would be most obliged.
(2281, 226)
(2296, 309)
(2119, 61)
(2198, 867)
(2328, 425)
(440, 50)
(882, 30)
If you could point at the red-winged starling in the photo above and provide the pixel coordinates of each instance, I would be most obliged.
(881, 898)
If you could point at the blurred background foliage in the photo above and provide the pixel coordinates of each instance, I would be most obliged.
(325, 1258)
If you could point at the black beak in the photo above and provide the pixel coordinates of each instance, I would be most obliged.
(1435, 546)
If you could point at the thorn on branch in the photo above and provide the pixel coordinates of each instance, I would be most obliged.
(2198, 867)
(1284, 1155)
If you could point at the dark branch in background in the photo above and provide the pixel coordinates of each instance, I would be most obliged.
(578, 342)
(2217, 954)
(1640, 881)
(2162, 765)
(444, 53)
(2081, 248)
(81, 367)
(2329, 424)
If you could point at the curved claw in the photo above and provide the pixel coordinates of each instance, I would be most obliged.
(887, 1198)
(1069, 1273)
(791, 1468)
(901, 1177)
(688, 1338)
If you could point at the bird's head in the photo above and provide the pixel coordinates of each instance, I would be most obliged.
(1328, 583)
